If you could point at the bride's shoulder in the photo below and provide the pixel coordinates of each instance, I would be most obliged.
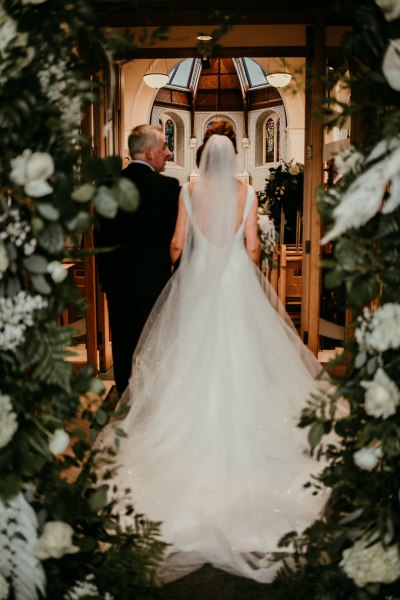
(244, 189)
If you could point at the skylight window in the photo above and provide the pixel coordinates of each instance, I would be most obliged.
(180, 76)
(255, 73)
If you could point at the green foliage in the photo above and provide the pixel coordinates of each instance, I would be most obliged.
(364, 502)
(50, 187)
(284, 190)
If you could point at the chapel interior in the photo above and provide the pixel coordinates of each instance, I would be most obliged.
(225, 78)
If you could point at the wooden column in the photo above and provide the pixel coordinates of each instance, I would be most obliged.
(313, 177)
(90, 273)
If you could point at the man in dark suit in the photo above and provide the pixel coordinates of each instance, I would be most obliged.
(133, 275)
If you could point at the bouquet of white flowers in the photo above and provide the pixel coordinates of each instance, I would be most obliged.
(266, 232)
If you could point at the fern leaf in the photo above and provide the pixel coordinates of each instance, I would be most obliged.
(18, 536)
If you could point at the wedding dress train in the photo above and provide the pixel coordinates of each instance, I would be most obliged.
(212, 448)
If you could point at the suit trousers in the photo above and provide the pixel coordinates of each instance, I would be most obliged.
(127, 316)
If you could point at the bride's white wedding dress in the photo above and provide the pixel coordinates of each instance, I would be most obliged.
(217, 386)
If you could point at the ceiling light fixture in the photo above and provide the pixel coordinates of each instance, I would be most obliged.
(156, 80)
(204, 37)
(279, 78)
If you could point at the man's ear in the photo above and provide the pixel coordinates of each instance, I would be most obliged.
(148, 152)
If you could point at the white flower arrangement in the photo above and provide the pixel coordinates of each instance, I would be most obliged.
(57, 271)
(31, 170)
(391, 64)
(55, 541)
(390, 8)
(4, 588)
(85, 589)
(17, 231)
(8, 420)
(16, 315)
(382, 396)
(4, 261)
(9, 33)
(267, 235)
(367, 458)
(18, 537)
(364, 197)
(59, 441)
(379, 330)
(57, 87)
(365, 563)
(349, 161)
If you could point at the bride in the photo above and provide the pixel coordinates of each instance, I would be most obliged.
(218, 381)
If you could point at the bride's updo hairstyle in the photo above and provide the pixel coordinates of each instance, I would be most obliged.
(218, 128)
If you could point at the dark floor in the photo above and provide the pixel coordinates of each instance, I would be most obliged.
(211, 584)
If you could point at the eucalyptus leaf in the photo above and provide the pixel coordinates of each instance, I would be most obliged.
(41, 285)
(97, 386)
(127, 194)
(13, 286)
(315, 433)
(352, 516)
(105, 202)
(36, 264)
(101, 417)
(98, 500)
(48, 211)
(51, 238)
(372, 365)
(84, 193)
(80, 223)
(360, 359)
(120, 432)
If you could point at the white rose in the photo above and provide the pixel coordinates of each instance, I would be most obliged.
(391, 64)
(350, 160)
(31, 170)
(373, 564)
(264, 223)
(294, 169)
(55, 541)
(383, 329)
(390, 8)
(382, 396)
(367, 458)
(8, 30)
(57, 271)
(4, 588)
(8, 421)
(59, 441)
(4, 262)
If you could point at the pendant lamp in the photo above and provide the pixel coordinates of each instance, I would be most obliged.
(279, 78)
(156, 80)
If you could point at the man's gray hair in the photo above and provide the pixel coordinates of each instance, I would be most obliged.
(141, 137)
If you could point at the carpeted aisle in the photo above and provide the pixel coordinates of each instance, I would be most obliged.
(211, 584)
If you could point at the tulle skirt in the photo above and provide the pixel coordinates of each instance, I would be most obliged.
(212, 448)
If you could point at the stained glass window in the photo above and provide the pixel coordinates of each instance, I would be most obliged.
(269, 141)
(170, 138)
(272, 135)
(278, 137)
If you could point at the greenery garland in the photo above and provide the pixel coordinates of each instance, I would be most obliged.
(352, 552)
(60, 533)
(284, 190)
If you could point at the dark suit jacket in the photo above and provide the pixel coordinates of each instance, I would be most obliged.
(141, 264)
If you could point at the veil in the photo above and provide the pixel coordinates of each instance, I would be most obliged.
(214, 197)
